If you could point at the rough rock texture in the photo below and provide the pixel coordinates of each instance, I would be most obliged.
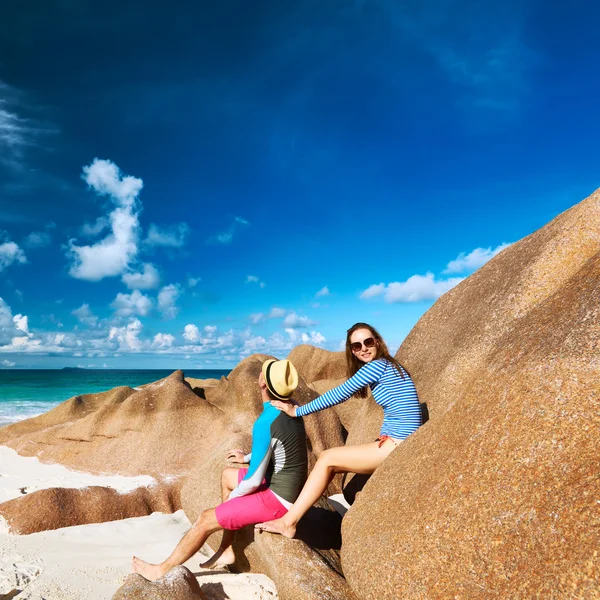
(178, 584)
(96, 432)
(314, 364)
(498, 495)
(54, 508)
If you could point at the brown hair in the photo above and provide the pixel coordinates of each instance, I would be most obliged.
(353, 364)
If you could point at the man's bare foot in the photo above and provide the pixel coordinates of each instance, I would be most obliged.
(221, 558)
(147, 570)
(277, 526)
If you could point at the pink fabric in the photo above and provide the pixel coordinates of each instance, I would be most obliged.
(258, 507)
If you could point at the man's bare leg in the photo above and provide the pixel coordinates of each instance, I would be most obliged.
(190, 543)
(363, 459)
(224, 556)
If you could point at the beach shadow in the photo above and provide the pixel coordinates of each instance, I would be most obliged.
(210, 572)
(199, 392)
(214, 591)
(12, 594)
(354, 486)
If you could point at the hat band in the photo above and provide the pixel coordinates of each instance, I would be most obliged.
(270, 383)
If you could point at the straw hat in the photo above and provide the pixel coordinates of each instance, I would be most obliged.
(281, 378)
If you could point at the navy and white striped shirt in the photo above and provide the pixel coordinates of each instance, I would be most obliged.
(397, 395)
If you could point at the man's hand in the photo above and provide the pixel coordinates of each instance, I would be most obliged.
(287, 407)
(236, 456)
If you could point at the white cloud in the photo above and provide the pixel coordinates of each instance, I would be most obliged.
(191, 333)
(11, 253)
(136, 303)
(210, 329)
(37, 240)
(171, 237)
(472, 261)
(163, 340)
(418, 288)
(226, 237)
(127, 337)
(113, 255)
(85, 315)
(373, 290)
(167, 297)
(277, 313)
(21, 323)
(148, 279)
(193, 281)
(16, 132)
(6, 317)
(294, 321)
(256, 318)
(8, 363)
(324, 291)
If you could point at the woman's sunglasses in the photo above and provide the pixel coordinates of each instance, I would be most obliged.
(356, 346)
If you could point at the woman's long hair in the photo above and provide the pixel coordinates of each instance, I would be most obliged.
(353, 364)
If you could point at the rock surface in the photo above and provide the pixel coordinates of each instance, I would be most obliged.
(498, 495)
(178, 584)
(54, 508)
(96, 432)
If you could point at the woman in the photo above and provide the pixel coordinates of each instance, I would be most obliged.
(368, 364)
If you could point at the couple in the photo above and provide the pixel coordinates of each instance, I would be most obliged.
(274, 491)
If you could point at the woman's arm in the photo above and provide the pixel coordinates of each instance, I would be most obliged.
(370, 373)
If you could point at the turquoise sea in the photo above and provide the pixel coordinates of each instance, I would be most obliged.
(27, 393)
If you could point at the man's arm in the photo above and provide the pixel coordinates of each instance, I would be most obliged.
(262, 448)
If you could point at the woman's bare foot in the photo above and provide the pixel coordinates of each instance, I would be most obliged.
(277, 526)
(147, 570)
(221, 558)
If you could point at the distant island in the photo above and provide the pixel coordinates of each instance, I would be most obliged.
(74, 369)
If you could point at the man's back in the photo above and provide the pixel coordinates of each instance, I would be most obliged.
(278, 454)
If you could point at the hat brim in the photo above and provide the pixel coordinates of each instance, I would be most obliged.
(265, 371)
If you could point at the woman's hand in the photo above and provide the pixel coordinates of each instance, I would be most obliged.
(236, 456)
(287, 407)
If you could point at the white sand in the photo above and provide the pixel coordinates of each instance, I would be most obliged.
(27, 474)
(92, 561)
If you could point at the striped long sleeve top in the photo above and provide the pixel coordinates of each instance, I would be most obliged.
(397, 396)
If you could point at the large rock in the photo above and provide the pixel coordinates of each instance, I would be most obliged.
(498, 494)
(315, 364)
(54, 508)
(178, 584)
(97, 432)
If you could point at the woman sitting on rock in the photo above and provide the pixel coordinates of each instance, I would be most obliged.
(368, 364)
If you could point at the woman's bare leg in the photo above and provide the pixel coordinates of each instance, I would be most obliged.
(363, 459)
(224, 555)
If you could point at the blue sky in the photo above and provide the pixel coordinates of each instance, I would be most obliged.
(183, 185)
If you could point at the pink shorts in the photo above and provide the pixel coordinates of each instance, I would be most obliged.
(258, 507)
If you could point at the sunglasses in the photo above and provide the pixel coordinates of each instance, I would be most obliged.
(356, 346)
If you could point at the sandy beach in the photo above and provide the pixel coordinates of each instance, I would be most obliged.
(92, 561)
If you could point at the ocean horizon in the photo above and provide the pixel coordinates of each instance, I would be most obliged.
(26, 393)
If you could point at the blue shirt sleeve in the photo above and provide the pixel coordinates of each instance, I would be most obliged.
(370, 373)
(262, 448)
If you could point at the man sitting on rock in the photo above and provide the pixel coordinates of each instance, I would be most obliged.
(262, 492)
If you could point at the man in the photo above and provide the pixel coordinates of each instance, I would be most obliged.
(262, 492)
